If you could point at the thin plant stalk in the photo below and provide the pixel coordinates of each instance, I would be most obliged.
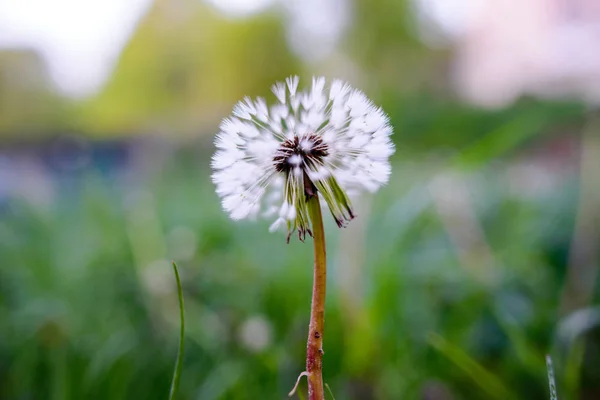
(551, 380)
(179, 360)
(314, 347)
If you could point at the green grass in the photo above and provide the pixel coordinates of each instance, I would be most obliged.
(89, 305)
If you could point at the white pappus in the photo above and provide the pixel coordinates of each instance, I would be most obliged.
(333, 142)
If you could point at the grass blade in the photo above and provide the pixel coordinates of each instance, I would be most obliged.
(482, 377)
(179, 361)
(551, 380)
(330, 392)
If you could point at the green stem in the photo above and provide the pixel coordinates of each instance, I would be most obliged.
(314, 348)
(179, 361)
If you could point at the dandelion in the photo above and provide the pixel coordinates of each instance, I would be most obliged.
(335, 143)
(312, 147)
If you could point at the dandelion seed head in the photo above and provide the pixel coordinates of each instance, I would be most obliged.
(330, 141)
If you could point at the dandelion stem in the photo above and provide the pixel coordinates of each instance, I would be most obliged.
(314, 347)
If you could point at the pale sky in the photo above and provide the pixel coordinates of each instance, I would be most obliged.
(80, 40)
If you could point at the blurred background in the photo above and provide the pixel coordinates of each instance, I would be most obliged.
(479, 258)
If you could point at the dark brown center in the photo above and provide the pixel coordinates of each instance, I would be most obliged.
(302, 151)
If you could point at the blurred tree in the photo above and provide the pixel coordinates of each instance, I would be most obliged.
(27, 101)
(185, 66)
(384, 41)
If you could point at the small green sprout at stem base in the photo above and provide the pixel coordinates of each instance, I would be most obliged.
(179, 361)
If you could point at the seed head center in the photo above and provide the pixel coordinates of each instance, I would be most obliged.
(302, 151)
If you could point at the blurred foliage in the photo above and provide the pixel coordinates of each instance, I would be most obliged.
(27, 103)
(383, 38)
(427, 122)
(185, 66)
(90, 308)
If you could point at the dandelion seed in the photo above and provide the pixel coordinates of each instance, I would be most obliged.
(327, 142)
